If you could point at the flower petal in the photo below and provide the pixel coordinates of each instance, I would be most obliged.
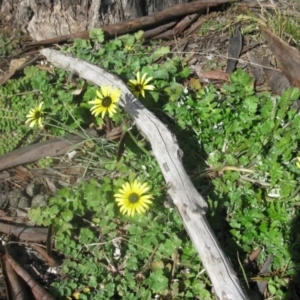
(148, 80)
(149, 87)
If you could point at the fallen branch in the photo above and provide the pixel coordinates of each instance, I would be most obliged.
(38, 291)
(16, 285)
(146, 22)
(32, 234)
(43, 253)
(53, 147)
(190, 204)
(157, 30)
(179, 28)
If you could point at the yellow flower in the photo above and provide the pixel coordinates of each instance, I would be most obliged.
(128, 48)
(106, 101)
(131, 198)
(298, 162)
(139, 85)
(76, 295)
(35, 116)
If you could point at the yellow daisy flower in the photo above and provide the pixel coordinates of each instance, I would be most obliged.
(298, 162)
(131, 198)
(106, 101)
(139, 85)
(35, 116)
(76, 295)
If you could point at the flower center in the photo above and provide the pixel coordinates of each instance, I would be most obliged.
(106, 101)
(139, 87)
(133, 198)
(38, 114)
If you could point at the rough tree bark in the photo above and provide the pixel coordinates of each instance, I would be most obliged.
(44, 19)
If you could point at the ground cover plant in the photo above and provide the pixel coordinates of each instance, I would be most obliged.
(119, 234)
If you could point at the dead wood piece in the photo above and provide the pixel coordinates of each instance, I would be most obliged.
(4, 190)
(38, 291)
(12, 72)
(276, 80)
(165, 35)
(50, 260)
(287, 56)
(130, 26)
(253, 256)
(15, 220)
(251, 46)
(54, 147)
(196, 25)
(4, 281)
(262, 285)
(168, 14)
(189, 202)
(185, 22)
(54, 175)
(17, 287)
(215, 74)
(256, 68)
(234, 50)
(157, 30)
(33, 234)
(180, 27)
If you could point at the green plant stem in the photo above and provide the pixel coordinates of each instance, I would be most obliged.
(137, 143)
(243, 271)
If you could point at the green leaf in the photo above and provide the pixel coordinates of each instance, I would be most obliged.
(161, 74)
(138, 34)
(289, 96)
(251, 104)
(97, 35)
(67, 215)
(186, 72)
(272, 289)
(86, 235)
(53, 210)
(174, 91)
(161, 52)
(267, 127)
(157, 281)
(128, 40)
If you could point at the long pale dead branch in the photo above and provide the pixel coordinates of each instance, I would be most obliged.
(190, 204)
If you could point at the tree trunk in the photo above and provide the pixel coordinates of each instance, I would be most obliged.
(43, 19)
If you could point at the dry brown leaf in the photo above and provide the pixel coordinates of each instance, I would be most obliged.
(216, 74)
(287, 56)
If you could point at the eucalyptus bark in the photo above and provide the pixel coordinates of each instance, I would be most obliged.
(44, 19)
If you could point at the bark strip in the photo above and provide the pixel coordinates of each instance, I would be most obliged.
(16, 285)
(50, 260)
(53, 147)
(38, 291)
(24, 233)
